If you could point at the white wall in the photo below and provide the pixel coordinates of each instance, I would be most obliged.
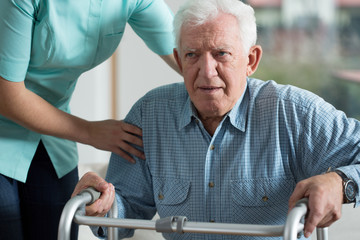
(140, 69)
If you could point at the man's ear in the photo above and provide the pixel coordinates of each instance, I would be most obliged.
(254, 56)
(178, 60)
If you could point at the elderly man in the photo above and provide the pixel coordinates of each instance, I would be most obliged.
(222, 147)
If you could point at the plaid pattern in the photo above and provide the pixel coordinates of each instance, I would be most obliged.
(274, 137)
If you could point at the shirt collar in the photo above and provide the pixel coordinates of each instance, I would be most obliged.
(237, 114)
(188, 113)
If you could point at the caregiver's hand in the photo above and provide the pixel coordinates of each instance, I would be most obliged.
(31, 111)
(116, 136)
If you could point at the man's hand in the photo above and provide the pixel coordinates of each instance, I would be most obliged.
(325, 196)
(101, 206)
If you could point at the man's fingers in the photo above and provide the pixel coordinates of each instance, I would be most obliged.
(321, 213)
(330, 218)
(325, 200)
(95, 209)
(102, 205)
(90, 179)
(299, 193)
(311, 222)
(318, 220)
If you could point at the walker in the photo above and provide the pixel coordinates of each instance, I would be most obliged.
(74, 210)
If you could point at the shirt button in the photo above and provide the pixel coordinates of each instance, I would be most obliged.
(212, 147)
(265, 198)
(211, 184)
(160, 196)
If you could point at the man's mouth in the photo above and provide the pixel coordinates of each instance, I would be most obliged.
(209, 88)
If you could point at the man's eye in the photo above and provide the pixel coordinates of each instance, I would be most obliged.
(190, 55)
(221, 54)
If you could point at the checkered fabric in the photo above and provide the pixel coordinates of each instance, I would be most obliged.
(274, 137)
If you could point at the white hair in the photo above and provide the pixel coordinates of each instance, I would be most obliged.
(198, 12)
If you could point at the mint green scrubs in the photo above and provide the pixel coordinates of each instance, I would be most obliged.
(49, 44)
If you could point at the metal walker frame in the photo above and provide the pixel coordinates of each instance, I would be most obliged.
(74, 211)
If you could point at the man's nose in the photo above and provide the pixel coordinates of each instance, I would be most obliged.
(208, 66)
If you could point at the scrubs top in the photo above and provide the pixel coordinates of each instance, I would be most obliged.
(49, 44)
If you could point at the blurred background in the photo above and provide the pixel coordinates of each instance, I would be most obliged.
(312, 44)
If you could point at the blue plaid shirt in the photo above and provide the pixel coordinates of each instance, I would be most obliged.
(274, 137)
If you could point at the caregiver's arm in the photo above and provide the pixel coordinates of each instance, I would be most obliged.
(170, 60)
(31, 111)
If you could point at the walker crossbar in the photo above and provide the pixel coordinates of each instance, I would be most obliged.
(74, 211)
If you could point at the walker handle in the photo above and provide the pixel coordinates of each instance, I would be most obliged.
(93, 193)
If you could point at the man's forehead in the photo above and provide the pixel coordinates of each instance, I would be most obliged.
(213, 41)
(211, 48)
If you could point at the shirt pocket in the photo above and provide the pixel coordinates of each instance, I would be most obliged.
(108, 45)
(261, 201)
(43, 44)
(171, 196)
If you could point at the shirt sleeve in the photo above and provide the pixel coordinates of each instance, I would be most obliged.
(152, 21)
(133, 183)
(16, 25)
(331, 139)
(134, 193)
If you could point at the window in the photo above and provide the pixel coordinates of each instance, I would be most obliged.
(312, 44)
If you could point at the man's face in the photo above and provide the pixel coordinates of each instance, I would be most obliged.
(214, 65)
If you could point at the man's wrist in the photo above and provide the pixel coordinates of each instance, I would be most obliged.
(350, 188)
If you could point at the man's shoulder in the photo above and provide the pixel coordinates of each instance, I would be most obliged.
(271, 90)
(174, 91)
(163, 100)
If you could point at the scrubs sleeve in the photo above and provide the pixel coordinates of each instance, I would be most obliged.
(16, 24)
(152, 21)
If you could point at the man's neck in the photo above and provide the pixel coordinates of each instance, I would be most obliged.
(210, 124)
